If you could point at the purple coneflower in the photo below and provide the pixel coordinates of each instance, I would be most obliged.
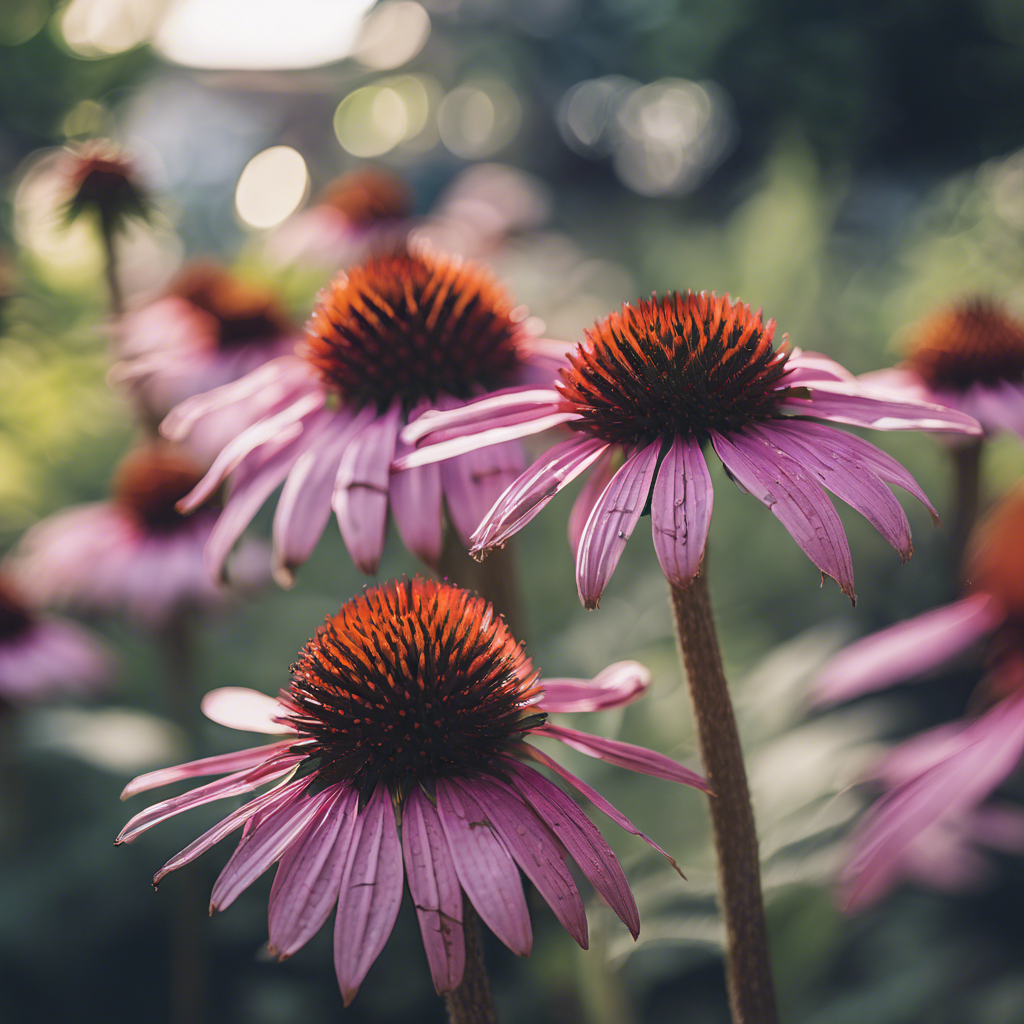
(657, 383)
(134, 554)
(406, 728)
(936, 781)
(407, 331)
(42, 656)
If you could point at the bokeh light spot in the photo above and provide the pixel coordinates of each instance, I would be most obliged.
(271, 187)
(393, 33)
(479, 118)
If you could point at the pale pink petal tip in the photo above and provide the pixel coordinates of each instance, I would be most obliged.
(615, 686)
(237, 707)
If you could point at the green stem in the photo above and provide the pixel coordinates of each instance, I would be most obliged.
(967, 494)
(471, 1002)
(747, 966)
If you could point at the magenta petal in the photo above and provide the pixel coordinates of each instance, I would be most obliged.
(833, 466)
(435, 890)
(600, 476)
(475, 481)
(361, 490)
(482, 411)
(797, 501)
(625, 755)
(529, 841)
(681, 510)
(485, 868)
(611, 523)
(237, 707)
(803, 367)
(596, 799)
(582, 840)
(907, 649)
(615, 686)
(535, 488)
(308, 880)
(416, 507)
(371, 893)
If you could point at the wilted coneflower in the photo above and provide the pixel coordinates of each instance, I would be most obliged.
(134, 554)
(406, 728)
(659, 382)
(42, 656)
(409, 330)
(937, 780)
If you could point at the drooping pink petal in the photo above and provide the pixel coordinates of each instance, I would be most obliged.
(371, 893)
(361, 491)
(900, 382)
(803, 367)
(485, 868)
(435, 890)
(528, 840)
(613, 687)
(998, 406)
(238, 707)
(914, 756)
(908, 649)
(846, 477)
(625, 755)
(216, 765)
(796, 500)
(230, 785)
(557, 467)
(596, 799)
(600, 476)
(308, 879)
(475, 481)
(263, 845)
(611, 523)
(582, 840)
(416, 507)
(681, 510)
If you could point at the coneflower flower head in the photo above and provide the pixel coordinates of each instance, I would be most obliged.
(101, 178)
(659, 382)
(149, 482)
(368, 196)
(411, 710)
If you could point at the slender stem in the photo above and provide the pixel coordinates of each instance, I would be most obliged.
(967, 490)
(471, 1002)
(747, 967)
(114, 293)
(496, 578)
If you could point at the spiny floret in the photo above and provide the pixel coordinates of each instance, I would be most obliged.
(413, 323)
(412, 681)
(973, 342)
(682, 364)
(150, 480)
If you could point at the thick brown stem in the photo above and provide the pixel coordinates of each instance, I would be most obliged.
(967, 492)
(747, 967)
(496, 578)
(471, 1002)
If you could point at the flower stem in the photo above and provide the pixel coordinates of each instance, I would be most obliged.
(967, 490)
(471, 1002)
(115, 295)
(747, 967)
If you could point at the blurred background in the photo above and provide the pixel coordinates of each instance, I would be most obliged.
(847, 167)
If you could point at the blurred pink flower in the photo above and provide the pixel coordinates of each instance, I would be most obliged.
(659, 382)
(407, 331)
(969, 356)
(936, 781)
(42, 656)
(410, 710)
(134, 554)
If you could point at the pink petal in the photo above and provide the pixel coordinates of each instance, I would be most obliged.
(596, 799)
(535, 488)
(361, 490)
(416, 507)
(475, 481)
(899, 382)
(845, 476)
(997, 407)
(308, 880)
(813, 366)
(481, 411)
(781, 484)
(217, 765)
(371, 893)
(434, 885)
(681, 510)
(625, 755)
(485, 867)
(593, 488)
(582, 840)
(908, 649)
(612, 521)
(264, 844)
(529, 841)
(615, 686)
(240, 708)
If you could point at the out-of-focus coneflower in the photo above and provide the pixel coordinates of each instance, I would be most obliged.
(409, 330)
(937, 780)
(209, 329)
(42, 656)
(134, 554)
(404, 750)
(657, 383)
(968, 356)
